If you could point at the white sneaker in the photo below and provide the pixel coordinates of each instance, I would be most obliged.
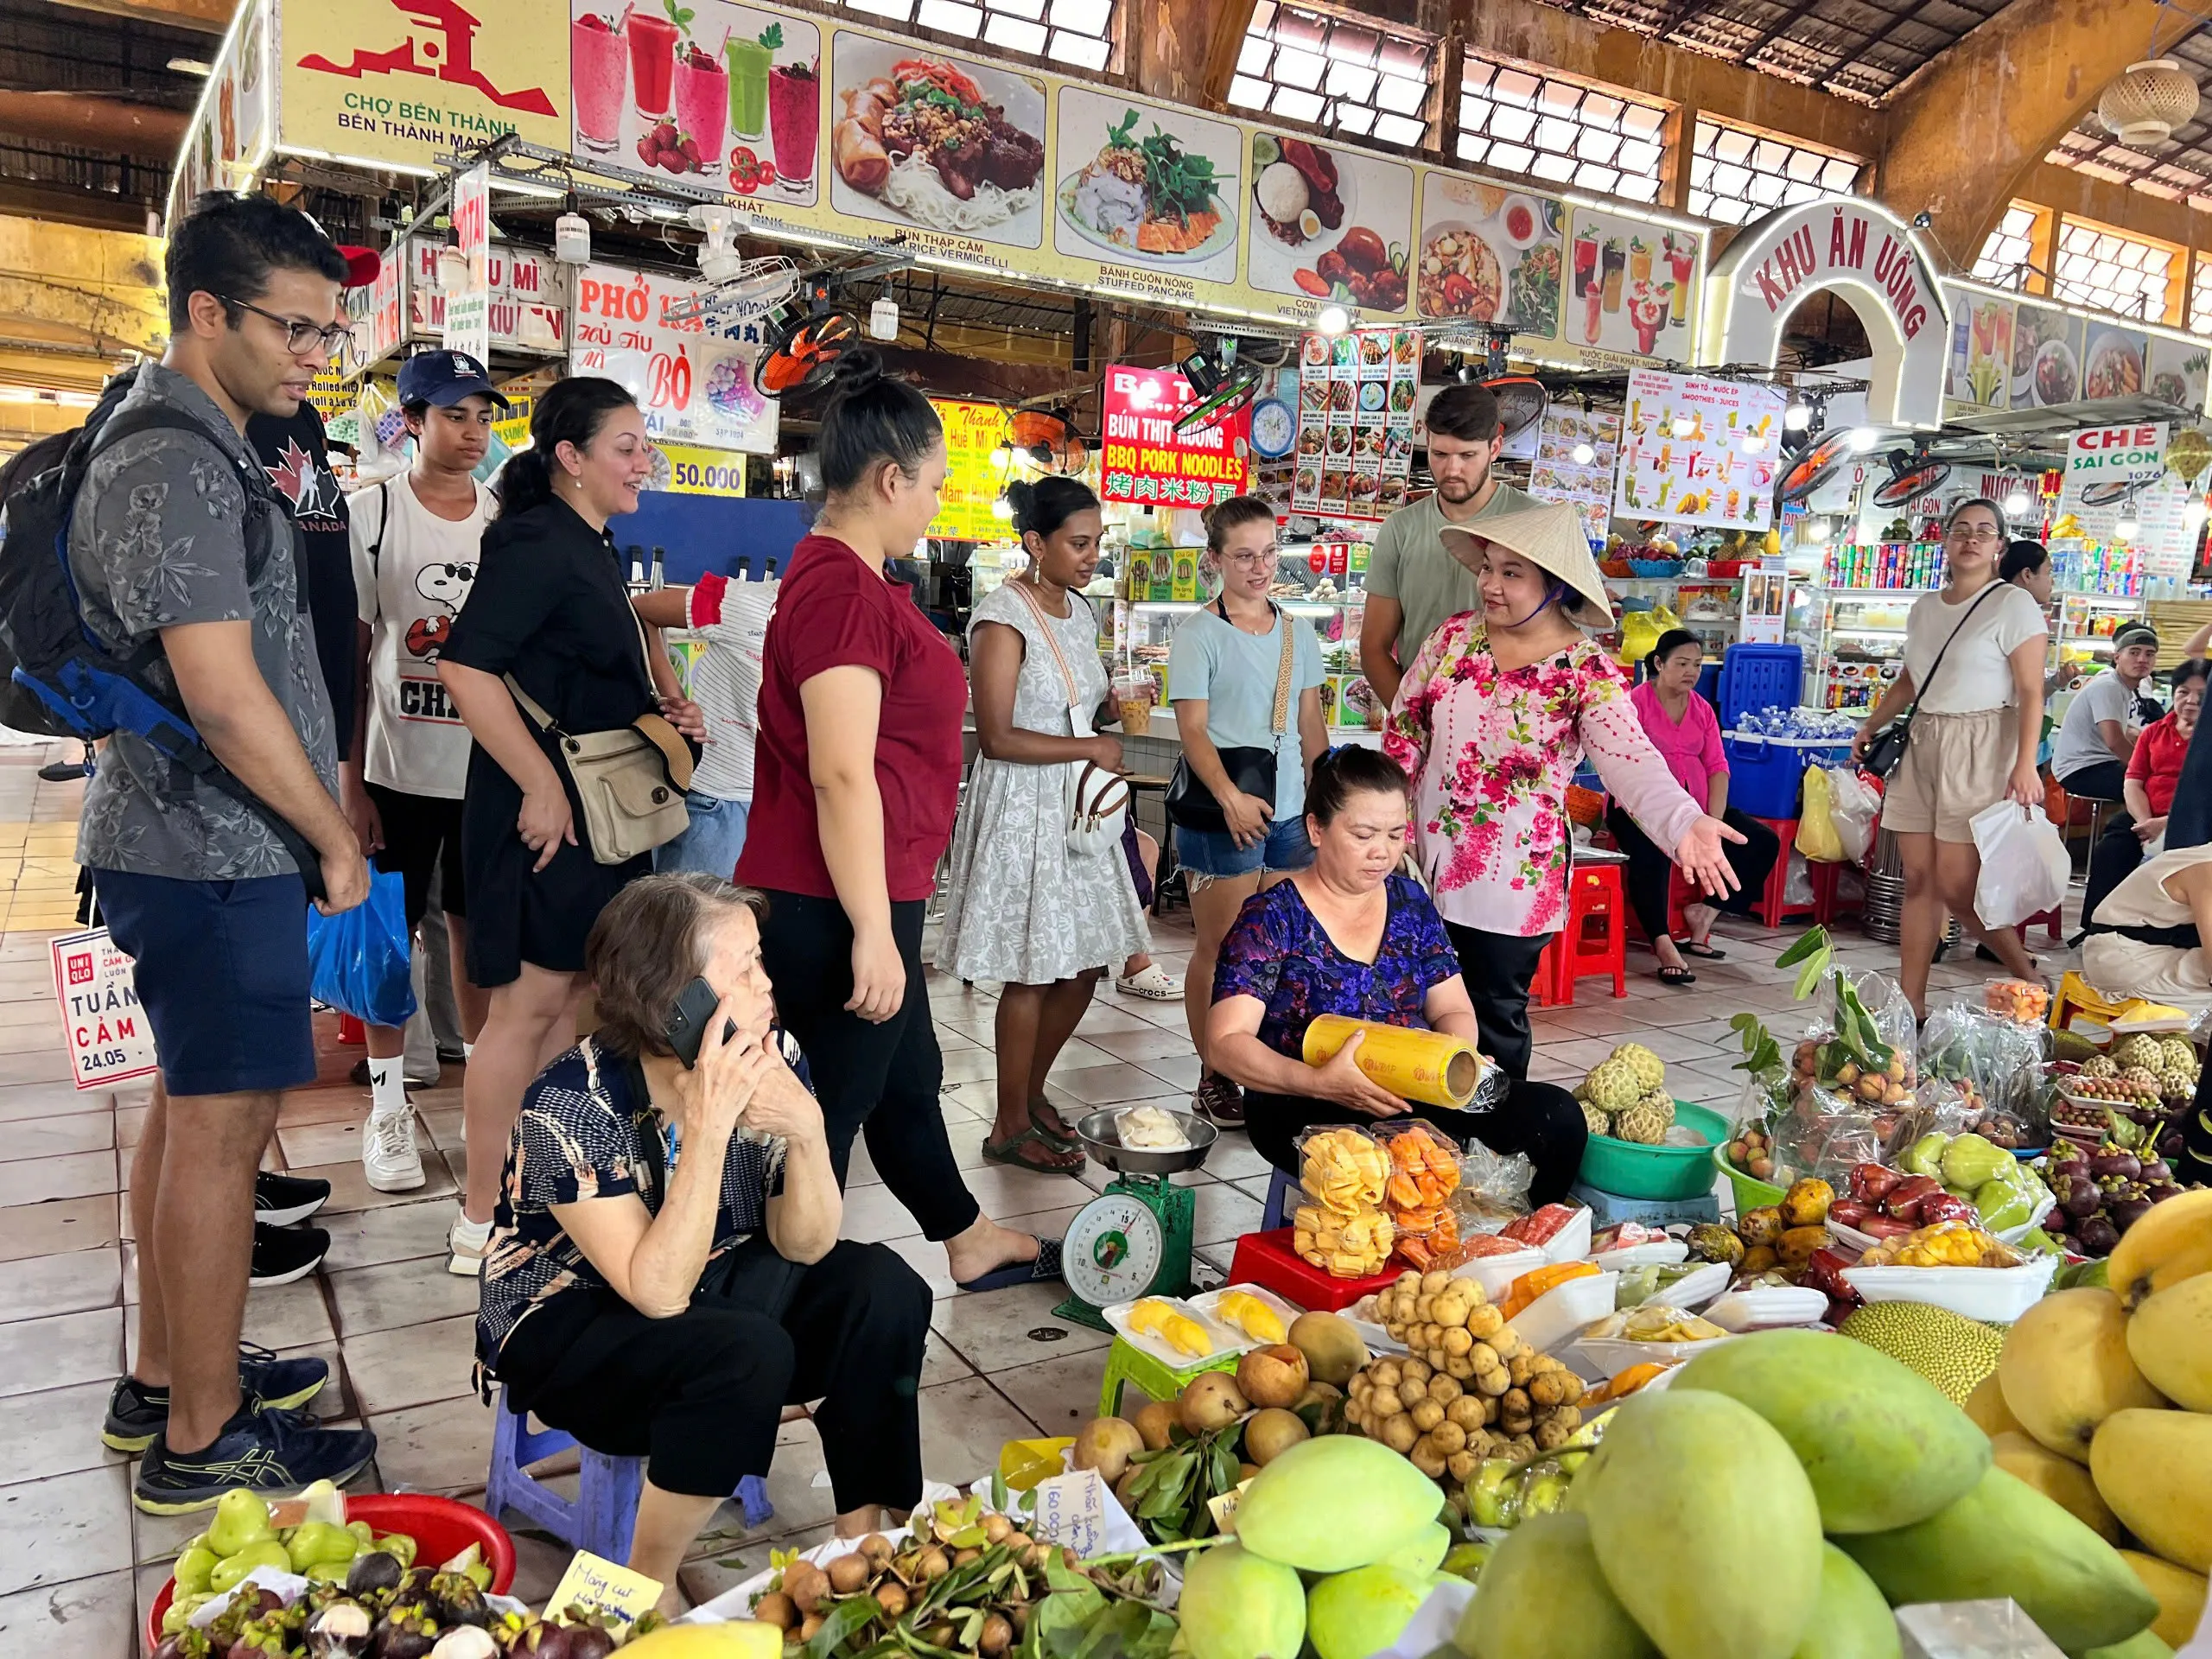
(468, 1241)
(389, 1158)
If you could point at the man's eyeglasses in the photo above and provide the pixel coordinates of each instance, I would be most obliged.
(300, 338)
(1974, 534)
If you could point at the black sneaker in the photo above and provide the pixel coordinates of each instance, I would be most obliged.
(280, 1200)
(284, 1254)
(136, 1412)
(275, 1453)
(1218, 1101)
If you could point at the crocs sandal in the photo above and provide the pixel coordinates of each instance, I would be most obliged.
(1151, 981)
(1044, 1271)
(1008, 1152)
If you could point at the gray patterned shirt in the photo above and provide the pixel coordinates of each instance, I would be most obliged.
(160, 539)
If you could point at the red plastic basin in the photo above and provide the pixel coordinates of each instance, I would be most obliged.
(441, 1526)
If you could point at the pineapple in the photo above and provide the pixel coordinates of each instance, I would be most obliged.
(1651, 1071)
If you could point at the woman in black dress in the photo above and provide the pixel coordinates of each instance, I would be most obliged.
(548, 609)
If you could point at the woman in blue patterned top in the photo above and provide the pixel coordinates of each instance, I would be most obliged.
(1351, 935)
(664, 1273)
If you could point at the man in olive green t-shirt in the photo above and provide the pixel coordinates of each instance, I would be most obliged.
(1413, 584)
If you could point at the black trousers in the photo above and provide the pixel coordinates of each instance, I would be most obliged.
(2101, 781)
(2112, 861)
(1651, 871)
(1538, 1119)
(2188, 820)
(882, 1079)
(700, 1396)
(1498, 970)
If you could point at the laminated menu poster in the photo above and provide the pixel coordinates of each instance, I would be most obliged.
(2133, 474)
(1356, 395)
(1695, 451)
(1576, 450)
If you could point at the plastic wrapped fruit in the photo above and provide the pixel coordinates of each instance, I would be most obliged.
(1946, 1244)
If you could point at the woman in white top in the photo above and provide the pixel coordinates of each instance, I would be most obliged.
(1023, 907)
(1978, 720)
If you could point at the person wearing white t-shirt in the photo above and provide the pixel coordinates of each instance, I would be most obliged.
(2098, 735)
(731, 619)
(414, 547)
(1974, 655)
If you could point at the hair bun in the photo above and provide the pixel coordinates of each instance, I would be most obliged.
(855, 371)
(1021, 496)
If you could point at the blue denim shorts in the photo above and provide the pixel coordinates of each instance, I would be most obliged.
(715, 837)
(1209, 855)
(222, 973)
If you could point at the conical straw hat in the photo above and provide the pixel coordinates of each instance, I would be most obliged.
(1549, 538)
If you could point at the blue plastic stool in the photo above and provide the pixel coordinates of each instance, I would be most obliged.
(601, 1515)
(1281, 1189)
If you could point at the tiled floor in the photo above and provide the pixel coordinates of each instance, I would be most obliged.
(397, 1328)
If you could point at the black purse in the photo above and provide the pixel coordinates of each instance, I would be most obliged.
(1189, 804)
(1885, 753)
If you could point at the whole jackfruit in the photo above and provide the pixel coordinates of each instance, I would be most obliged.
(1640, 1123)
(2099, 1065)
(2141, 1049)
(1651, 1071)
(1599, 1123)
(1952, 1351)
(1613, 1086)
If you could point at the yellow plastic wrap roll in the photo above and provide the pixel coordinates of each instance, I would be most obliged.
(1424, 1066)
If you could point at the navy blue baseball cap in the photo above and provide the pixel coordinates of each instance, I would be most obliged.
(445, 377)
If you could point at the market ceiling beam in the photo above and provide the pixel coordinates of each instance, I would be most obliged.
(59, 204)
(112, 125)
(1972, 125)
(1184, 53)
(206, 16)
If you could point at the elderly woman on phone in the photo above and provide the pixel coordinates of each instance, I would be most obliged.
(1351, 935)
(664, 1275)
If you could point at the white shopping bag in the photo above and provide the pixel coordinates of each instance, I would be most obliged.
(2024, 864)
(1853, 809)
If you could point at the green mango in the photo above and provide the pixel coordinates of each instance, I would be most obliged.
(228, 1571)
(1351, 1615)
(1925, 1155)
(241, 1518)
(1239, 1606)
(1851, 1621)
(2005, 1538)
(319, 1541)
(2143, 1644)
(1425, 1554)
(1541, 1593)
(1969, 1160)
(1331, 1504)
(192, 1569)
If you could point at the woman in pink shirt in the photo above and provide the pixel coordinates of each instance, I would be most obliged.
(1491, 722)
(1687, 733)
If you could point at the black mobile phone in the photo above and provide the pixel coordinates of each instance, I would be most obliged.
(687, 1023)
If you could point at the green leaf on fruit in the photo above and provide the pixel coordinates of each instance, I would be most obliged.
(1812, 939)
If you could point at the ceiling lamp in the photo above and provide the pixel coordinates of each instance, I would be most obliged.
(2148, 102)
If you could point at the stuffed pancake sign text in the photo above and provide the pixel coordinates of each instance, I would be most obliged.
(109, 1038)
(1144, 459)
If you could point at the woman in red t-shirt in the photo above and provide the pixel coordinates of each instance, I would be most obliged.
(855, 776)
(2154, 775)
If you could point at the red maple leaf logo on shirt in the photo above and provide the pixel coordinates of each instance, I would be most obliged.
(301, 479)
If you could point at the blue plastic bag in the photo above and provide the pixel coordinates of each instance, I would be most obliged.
(357, 961)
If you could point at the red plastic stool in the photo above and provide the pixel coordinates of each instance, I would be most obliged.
(2051, 919)
(1594, 940)
(1827, 876)
(352, 1033)
(1681, 891)
(1774, 908)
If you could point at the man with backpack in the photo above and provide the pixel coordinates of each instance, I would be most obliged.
(207, 836)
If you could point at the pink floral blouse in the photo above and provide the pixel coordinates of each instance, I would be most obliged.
(1491, 752)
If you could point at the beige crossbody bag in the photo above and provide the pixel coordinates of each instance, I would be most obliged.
(631, 781)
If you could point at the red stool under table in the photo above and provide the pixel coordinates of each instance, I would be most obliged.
(1594, 940)
(1774, 907)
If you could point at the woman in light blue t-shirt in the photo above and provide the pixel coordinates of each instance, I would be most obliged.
(1224, 677)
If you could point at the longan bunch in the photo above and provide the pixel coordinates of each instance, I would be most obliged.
(1471, 1388)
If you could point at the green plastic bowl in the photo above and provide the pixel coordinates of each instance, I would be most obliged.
(1751, 1193)
(1630, 1171)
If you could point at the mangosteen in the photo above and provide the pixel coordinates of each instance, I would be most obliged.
(465, 1642)
(541, 1641)
(406, 1631)
(2078, 1198)
(374, 1573)
(2127, 1211)
(341, 1630)
(2097, 1236)
(2156, 1171)
(589, 1642)
(455, 1600)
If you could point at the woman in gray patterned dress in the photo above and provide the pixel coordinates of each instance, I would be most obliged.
(1023, 909)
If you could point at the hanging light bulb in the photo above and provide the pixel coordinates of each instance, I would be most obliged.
(1864, 438)
(2125, 530)
(2017, 502)
(1796, 417)
(1683, 426)
(1584, 454)
(1817, 531)
(1332, 319)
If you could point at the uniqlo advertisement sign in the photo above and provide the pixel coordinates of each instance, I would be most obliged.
(104, 1028)
(1144, 459)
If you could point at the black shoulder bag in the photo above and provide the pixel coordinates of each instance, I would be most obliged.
(1886, 753)
(1251, 772)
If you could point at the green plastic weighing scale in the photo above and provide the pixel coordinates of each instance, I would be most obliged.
(1134, 1239)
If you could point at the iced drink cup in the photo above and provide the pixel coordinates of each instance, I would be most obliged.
(597, 57)
(1616, 265)
(652, 58)
(1680, 263)
(1132, 699)
(702, 106)
(748, 86)
(794, 123)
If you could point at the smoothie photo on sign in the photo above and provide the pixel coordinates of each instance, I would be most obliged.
(598, 56)
(652, 58)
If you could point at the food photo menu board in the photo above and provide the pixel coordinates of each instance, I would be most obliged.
(1328, 224)
(2012, 354)
(1695, 451)
(1489, 255)
(1356, 395)
(1149, 190)
(1576, 450)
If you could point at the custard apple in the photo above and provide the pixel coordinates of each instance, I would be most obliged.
(1597, 1119)
(2180, 1054)
(2141, 1049)
(2099, 1065)
(1613, 1086)
(1640, 1123)
(1651, 1071)
(1658, 1101)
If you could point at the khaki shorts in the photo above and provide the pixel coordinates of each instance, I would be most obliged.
(1954, 766)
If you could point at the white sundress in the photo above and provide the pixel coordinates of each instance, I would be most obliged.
(1022, 909)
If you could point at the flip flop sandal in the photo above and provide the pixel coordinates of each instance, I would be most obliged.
(1052, 1137)
(1044, 1271)
(1008, 1152)
(1702, 952)
(1667, 976)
